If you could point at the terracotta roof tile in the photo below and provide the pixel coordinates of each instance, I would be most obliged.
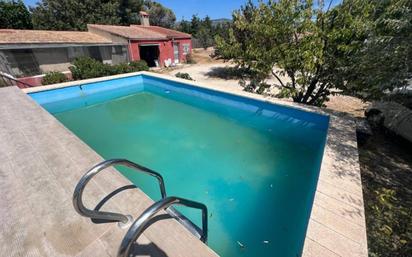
(13, 36)
(141, 32)
(168, 32)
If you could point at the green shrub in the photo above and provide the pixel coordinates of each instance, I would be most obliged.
(139, 65)
(121, 68)
(183, 75)
(86, 67)
(54, 77)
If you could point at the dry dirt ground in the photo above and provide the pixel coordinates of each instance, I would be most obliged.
(386, 168)
(216, 72)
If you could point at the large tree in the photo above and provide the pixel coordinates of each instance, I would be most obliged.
(14, 15)
(160, 15)
(74, 14)
(321, 50)
(300, 38)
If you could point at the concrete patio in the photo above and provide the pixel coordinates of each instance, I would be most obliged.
(41, 162)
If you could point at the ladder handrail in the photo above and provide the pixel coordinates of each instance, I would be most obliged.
(94, 214)
(11, 79)
(139, 225)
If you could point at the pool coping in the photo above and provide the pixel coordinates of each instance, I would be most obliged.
(337, 222)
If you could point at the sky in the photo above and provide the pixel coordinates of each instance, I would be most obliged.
(216, 9)
(186, 8)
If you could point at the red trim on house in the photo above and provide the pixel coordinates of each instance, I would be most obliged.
(166, 50)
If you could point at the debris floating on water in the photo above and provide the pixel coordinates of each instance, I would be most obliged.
(241, 245)
(266, 242)
(271, 185)
(231, 199)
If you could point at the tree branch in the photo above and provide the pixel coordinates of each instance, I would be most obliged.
(291, 75)
(280, 81)
(321, 92)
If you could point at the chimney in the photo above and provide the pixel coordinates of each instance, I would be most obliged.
(144, 18)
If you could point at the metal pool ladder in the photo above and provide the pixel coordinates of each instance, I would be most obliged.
(139, 225)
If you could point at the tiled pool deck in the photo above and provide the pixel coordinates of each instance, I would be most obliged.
(41, 162)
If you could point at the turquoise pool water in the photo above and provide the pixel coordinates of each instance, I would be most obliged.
(254, 165)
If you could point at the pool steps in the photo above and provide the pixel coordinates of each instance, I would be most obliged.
(143, 221)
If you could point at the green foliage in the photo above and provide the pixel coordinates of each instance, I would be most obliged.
(319, 50)
(86, 67)
(14, 15)
(129, 11)
(384, 62)
(195, 24)
(160, 15)
(221, 29)
(183, 75)
(292, 35)
(139, 65)
(185, 26)
(54, 77)
(120, 69)
(204, 30)
(133, 66)
(74, 14)
(204, 37)
(204, 33)
(236, 33)
(390, 228)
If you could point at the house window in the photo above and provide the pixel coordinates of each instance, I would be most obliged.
(186, 49)
(119, 54)
(21, 62)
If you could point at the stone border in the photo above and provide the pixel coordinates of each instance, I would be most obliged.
(179, 80)
(337, 221)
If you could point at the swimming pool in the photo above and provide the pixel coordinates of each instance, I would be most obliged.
(254, 164)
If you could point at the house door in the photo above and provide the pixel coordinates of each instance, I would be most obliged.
(176, 52)
(150, 53)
